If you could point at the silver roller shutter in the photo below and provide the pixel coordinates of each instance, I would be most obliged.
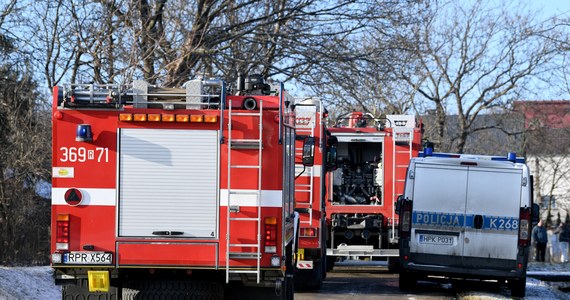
(168, 182)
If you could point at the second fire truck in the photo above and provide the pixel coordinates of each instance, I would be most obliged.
(310, 117)
(372, 156)
(346, 200)
(173, 191)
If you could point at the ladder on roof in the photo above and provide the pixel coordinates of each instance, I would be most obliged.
(235, 250)
(402, 151)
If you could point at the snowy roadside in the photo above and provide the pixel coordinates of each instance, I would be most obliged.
(27, 283)
(37, 283)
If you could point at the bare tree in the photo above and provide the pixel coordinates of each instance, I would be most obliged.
(25, 155)
(24, 162)
(356, 68)
(168, 42)
(475, 58)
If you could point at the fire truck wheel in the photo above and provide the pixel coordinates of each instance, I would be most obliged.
(330, 263)
(288, 289)
(407, 281)
(393, 264)
(81, 291)
(151, 290)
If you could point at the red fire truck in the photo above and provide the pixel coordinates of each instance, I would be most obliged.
(372, 157)
(173, 191)
(310, 117)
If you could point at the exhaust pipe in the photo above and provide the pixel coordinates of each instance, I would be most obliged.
(249, 103)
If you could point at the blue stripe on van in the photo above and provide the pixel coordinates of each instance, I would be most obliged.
(439, 219)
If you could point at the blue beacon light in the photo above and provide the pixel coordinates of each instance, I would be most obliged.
(84, 133)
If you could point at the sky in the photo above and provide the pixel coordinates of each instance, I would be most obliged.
(553, 7)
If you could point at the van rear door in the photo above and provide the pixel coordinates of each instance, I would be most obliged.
(492, 212)
(438, 216)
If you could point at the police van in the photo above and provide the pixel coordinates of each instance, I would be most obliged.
(466, 216)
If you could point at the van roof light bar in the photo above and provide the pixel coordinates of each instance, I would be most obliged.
(428, 152)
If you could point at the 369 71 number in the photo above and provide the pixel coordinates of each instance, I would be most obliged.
(81, 154)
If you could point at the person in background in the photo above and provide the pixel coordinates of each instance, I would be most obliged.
(563, 232)
(540, 240)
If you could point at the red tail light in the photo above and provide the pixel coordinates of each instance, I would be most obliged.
(406, 218)
(308, 232)
(524, 226)
(270, 237)
(62, 232)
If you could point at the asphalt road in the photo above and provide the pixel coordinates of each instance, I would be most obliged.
(367, 282)
(370, 283)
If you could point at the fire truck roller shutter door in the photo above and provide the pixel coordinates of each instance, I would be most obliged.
(168, 182)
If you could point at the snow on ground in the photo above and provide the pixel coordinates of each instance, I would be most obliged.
(27, 283)
(37, 283)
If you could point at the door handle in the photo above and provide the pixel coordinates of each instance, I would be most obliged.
(478, 222)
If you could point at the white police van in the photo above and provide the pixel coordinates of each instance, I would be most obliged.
(466, 216)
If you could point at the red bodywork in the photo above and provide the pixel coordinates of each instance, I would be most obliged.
(93, 167)
(367, 142)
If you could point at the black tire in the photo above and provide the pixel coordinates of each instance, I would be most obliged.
(172, 289)
(407, 281)
(81, 291)
(309, 279)
(518, 287)
(288, 292)
(393, 264)
(330, 263)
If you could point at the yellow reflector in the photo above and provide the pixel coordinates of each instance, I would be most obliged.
(271, 220)
(154, 117)
(196, 118)
(139, 117)
(63, 217)
(182, 118)
(210, 119)
(167, 118)
(98, 281)
(125, 117)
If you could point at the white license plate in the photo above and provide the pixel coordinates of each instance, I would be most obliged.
(435, 239)
(88, 258)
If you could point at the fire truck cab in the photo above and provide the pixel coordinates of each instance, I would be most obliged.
(173, 191)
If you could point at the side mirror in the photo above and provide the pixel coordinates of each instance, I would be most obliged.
(399, 204)
(331, 158)
(308, 151)
(535, 214)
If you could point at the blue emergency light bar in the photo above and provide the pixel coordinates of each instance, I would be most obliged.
(511, 156)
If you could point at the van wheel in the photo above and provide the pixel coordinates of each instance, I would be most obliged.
(518, 287)
(407, 281)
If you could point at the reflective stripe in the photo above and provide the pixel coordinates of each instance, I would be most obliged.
(316, 171)
(97, 196)
(91, 196)
(269, 198)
